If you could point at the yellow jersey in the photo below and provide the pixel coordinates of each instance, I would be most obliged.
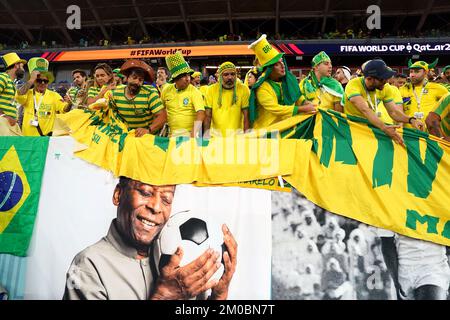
(395, 92)
(320, 97)
(270, 111)
(356, 87)
(182, 107)
(418, 101)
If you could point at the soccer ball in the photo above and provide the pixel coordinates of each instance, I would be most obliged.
(195, 234)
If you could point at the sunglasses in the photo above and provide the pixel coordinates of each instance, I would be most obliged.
(42, 81)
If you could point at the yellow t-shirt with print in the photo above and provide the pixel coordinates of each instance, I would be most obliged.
(182, 107)
(320, 97)
(226, 116)
(428, 95)
(356, 87)
(51, 105)
(269, 109)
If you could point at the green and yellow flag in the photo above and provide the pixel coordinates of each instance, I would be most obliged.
(339, 162)
(353, 169)
(22, 161)
(161, 160)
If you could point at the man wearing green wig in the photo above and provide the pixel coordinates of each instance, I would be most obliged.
(421, 96)
(319, 87)
(276, 95)
(227, 103)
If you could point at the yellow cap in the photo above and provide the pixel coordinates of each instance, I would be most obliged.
(11, 59)
(266, 54)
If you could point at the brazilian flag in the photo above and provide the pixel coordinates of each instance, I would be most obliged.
(22, 161)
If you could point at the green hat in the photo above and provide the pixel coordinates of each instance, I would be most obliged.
(422, 64)
(41, 65)
(445, 68)
(177, 65)
(117, 71)
(38, 64)
(319, 58)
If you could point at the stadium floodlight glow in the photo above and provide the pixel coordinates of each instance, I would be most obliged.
(211, 67)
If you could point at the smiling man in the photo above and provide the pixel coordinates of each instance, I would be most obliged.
(118, 266)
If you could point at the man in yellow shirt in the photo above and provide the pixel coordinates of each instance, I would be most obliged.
(362, 96)
(40, 105)
(227, 104)
(319, 87)
(183, 102)
(438, 120)
(274, 96)
(420, 96)
(394, 92)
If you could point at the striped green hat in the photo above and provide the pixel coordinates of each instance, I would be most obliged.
(177, 65)
(319, 58)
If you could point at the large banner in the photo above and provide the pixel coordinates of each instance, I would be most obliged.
(352, 168)
(76, 210)
(341, 163)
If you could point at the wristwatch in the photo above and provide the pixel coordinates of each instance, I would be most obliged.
(411, 118)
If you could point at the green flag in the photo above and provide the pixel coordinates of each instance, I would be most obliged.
(22, 161)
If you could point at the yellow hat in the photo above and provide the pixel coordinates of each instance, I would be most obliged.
(266, 54)
(177, 65)
(11, 59)
(196, 74)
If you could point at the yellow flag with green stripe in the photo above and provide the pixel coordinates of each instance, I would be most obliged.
(352, 168)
